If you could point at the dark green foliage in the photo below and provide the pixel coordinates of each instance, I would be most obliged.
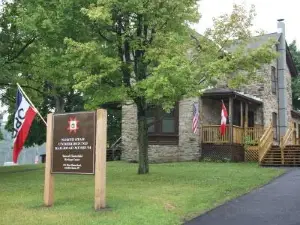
(114, 125)
(296, 80)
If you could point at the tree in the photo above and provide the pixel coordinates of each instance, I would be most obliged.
(145, 53)
(32, 54)
(295, 80)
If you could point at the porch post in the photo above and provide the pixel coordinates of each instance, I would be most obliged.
(242, 114)
(246, 115)
(242, 119)
(200, 119)
(230, 120)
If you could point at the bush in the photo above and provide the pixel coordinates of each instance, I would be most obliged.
(248, 141)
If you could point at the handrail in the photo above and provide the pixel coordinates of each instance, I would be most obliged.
(211, 134)
(284, 140)
(297, 141)
(116, 142)
(265, 143)
(114, 145)
(254, 133)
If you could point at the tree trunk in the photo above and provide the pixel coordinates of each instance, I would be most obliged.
(143, 141)
(59, 104)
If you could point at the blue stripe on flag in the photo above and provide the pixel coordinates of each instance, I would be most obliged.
(19, 99)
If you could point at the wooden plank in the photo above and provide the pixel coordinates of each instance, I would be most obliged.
(200, 121)
(100, 167)
(230, 119)
(246, 114)
(234, 131)
(49, 178)
(242, 114)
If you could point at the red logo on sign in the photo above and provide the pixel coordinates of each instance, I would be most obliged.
(73, 125)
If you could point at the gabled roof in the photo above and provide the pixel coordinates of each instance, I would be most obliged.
(256, 42)
(262, 39)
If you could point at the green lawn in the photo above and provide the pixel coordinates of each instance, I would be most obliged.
(168, 195)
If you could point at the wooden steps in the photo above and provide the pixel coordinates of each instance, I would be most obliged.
(291, 157)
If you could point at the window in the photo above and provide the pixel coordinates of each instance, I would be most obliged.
(274, 80)
(163, 127)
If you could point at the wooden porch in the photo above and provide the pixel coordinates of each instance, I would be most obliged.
(238, 143)
(235, 134)
(244, 126)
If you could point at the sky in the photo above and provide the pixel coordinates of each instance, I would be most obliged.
(268, 11)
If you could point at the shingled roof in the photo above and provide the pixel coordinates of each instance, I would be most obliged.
(223, 92)
(262, 39)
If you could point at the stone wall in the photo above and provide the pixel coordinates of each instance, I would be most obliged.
(263, 90)
(211, 111)
(129, 133)
(259, 115)
(188, 146)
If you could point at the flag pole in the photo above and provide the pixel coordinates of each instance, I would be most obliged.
(31, 104)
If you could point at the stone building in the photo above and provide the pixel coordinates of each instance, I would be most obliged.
(251, 109)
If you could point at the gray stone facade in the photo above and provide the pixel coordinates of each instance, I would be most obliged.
(210, 111)
(263, 90)
(188, 143)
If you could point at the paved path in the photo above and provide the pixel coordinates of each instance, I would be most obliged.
(277, 203)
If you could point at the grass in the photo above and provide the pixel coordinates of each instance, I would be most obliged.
(170, 194)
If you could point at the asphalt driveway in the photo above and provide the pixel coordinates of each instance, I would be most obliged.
(277, 203)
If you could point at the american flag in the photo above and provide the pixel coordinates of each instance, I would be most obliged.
(195, 117)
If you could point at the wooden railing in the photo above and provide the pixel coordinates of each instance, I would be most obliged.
(297, 141)
(254, 133)
(288, 138)
(238, 135)
(211, 134)
(265, 143)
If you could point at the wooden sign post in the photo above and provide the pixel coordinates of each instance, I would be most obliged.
(76, 144)
(49, 178)
(100, 170)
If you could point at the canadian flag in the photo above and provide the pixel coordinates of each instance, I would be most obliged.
(224, 116)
